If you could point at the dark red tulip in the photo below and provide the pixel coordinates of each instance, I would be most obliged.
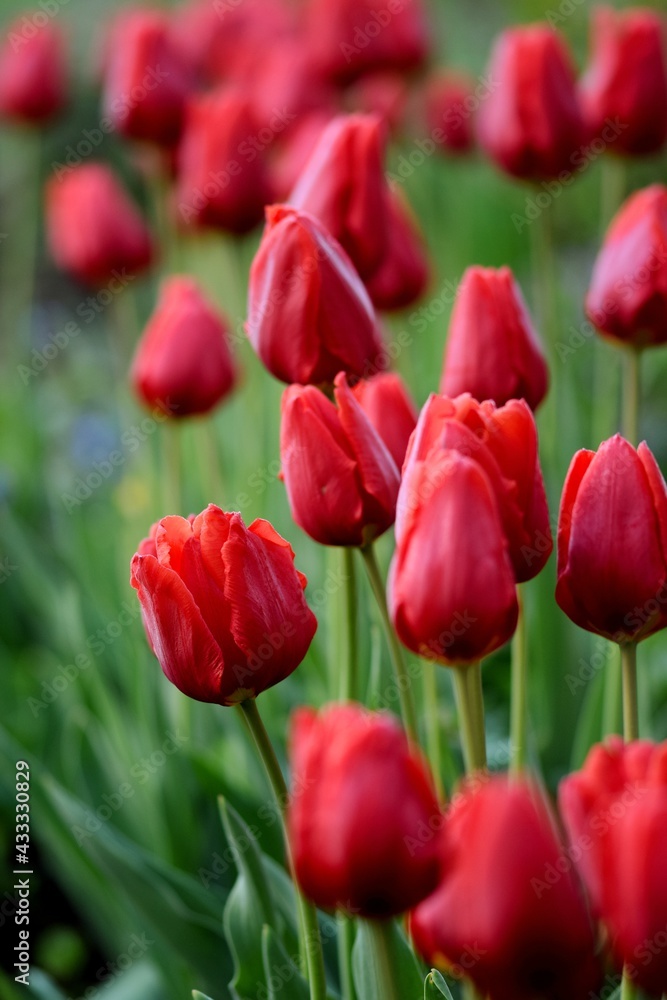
(493, 917)
(615, 810)
(627, 298)
(450, 105)
(388, 405)
(493, 351)
(33, 75)
(626, 81)
(146, 79)
(295, 149)
(223, 605)
(341, 480)
(94, 230)
(452, 592)
(223, 180)
(385, 94)
(503, 441)
(403, 273)
(531, 123)
(612, 542)
(183, 362)
(351, 37)
(309, 315)
(363, 819)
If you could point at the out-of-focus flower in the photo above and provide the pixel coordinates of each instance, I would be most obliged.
(449, 105)
(33, 74)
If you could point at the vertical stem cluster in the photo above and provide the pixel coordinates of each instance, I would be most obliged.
(470, 706)
(349, 686)
(519, 700)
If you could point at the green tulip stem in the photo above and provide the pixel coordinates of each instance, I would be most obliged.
(519, 701)
(432, 721)
(630, 706)
(403, 682)
(470, 707)
(628, 988)
(383, 955)
(310, 940)
(612, 189)
(349, 678)
(631, 393)
(345, 946)
(171, 462)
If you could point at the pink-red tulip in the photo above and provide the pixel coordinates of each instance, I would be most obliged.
(450, 105)
(403, 273)
(388, 405)
(33, 74)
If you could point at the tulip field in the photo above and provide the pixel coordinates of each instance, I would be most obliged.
(333, 519)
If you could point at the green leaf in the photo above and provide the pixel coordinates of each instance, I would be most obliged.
(283, 977)
(40, 987)
(435, 987)
(408, 976)
(196, 995)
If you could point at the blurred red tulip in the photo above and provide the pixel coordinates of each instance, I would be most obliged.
(362, 799)
(627, 298)
(494, 917)
(388, 405)
(94, 230)
(612, 542)
(531, 123)
(183, 362)
(309, 315)
(492, 348)
(403, 274)
(626, 80)
(384, 94)
(33, 73)
(295, 148)
(223, 606)
(341, 480)
(450, 104)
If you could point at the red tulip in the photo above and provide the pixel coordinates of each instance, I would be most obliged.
(222, 179)
(223, 606)
(94, 230)
(627, 298)
(492, 349)
(363, 817)
(351, 37)
(531, 124)
(503, 442)
(389, 407)
(615, 810)
(493, 917)
(449, 106)
(295, 149)
(612, 542)
(309, 315)
(385, 94)
(452, 592)
(183, 363)
(147, 81)
(33, 75)
(403, 273)
(627, 78)
(341, 480)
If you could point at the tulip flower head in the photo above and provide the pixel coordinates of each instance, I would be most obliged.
(449, 104)
(388, 405)
(33, 74)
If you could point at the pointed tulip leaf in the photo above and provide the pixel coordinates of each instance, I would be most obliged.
(435, 987)
(283, 978)
(196, 995)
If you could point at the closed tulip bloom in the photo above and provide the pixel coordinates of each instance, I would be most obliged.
(626, 81)
(449, 103)
(403, 273)
(612, 542)
(452, 592)
(388, 405)
(94, 230)
(341, 480)
(361, 800)
(494, 917)
(493, 351)
(33, 75)
(146, 80)
(183, 362)
(223, 605)
(627, 298)
(531, 124)
(211, 190)
(309, 315)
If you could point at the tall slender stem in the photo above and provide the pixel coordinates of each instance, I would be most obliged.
(310, 933)
(403, 681)
(519, 703)
(630, 706)
(631, 393)
(433, 748)
(345, 945)
(612, 188)
(628, 988)
(171, 473)
(470, 706)
(384, 959)
(349, 685)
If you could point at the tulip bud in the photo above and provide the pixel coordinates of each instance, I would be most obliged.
(363, 819)
(341, 480)
(183, 363)
(389, 407)
(612, 542)
(494, 917)
(33, 75)
(222, 180)
(385, 94)
(531, 124)
(449, 110)
(146, 79)
(493, 351)
(294, 151)
(94, 230)
(309, 315)
(223, 606)
(403, 273)
(626, 82)
(627, 298)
